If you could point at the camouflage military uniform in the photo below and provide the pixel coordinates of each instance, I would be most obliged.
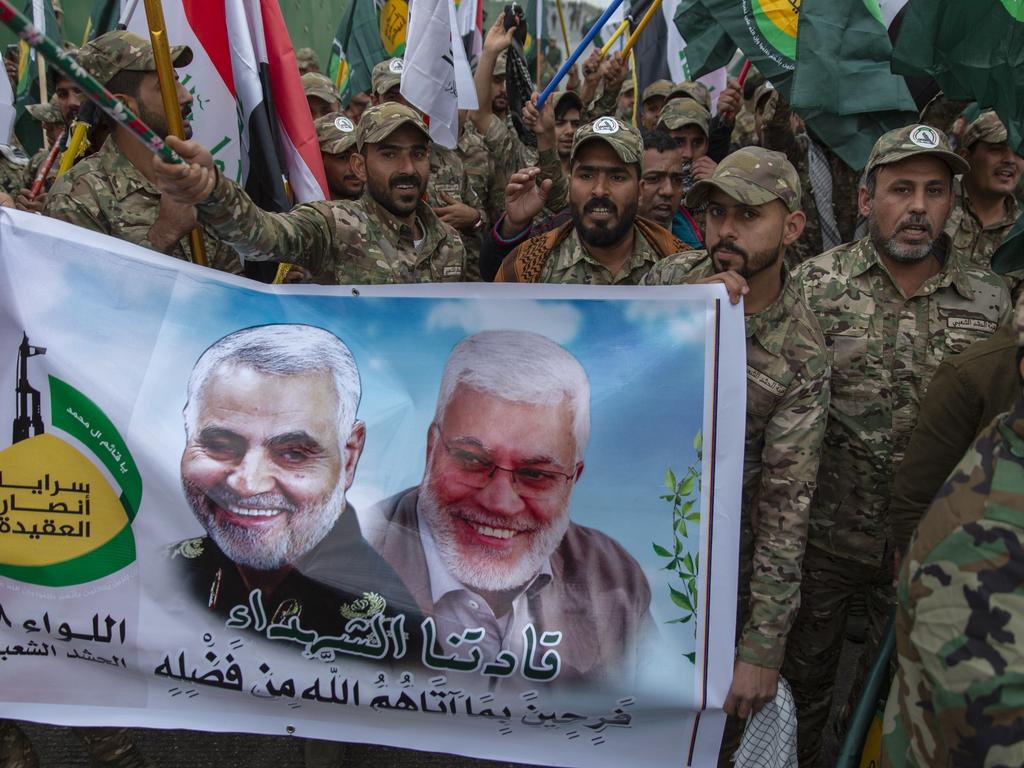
(448, 175)
(779, 136)
(884, 349)
(106, 193)
(353, 241)
(480, 169)
(957, 696)
(12, 169)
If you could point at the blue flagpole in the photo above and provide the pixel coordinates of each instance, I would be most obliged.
(567, 64)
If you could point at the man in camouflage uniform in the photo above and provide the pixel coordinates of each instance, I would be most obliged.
(336, 135)
(13, 162)
(605, 243)
(753, 216)
(321, 95)
(449, 191)
(624, 103)
(956, 698)
(829, 185)
(389, 235)
(892, 306)
(984, 208)
(112, 191)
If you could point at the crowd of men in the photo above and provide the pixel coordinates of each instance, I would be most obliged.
(880, 343)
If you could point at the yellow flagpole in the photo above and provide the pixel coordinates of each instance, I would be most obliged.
(561, 20)
(640, 27)
(169, 94)
(618, 33)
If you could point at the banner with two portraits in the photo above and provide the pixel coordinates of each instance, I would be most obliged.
(494, 520)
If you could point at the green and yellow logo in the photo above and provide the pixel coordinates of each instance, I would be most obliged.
(776, 21)
(62, 520)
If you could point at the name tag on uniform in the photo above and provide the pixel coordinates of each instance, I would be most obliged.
(452, 271)
(970, 324)
(766, 382)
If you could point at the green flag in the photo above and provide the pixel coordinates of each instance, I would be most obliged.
(356, 49)
(973, 50)
(708, 47)
(26, 128)
(104, 17)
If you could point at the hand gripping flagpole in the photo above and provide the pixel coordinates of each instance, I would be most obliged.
(567, 64)
(94, 90)
(169, 94)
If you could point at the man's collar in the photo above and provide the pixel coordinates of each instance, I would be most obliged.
(398, 229)
(771, 324)
(443, 583)
(642, 253)
(962, 197)
(951, 272)
(123, 176)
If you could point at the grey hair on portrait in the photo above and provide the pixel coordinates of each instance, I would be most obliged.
(281, 350)
(520, 367)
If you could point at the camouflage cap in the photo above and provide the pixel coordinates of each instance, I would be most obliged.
(622, 137)
(627, 87)
(386, 75)
(753, 176)
(986, 127)
(566, 100)
(320, 86)
(335, 132)
(657, 88)
(307, 57)
(692, 90)
(120, 50)
(680, 112)
(501, 65)
(764, 91)
(47, 114)
(912, 141)
(381, 120)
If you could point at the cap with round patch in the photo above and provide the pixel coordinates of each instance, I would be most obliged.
(322, 87)
(386, 75)
(681, 112)
(985, 127)
(622, 137)
(913, 141)
(121, 50)
(335, 133)
(380, 121)
(658, 88)
(753, 176)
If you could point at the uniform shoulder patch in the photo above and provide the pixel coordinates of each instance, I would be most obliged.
(367, 606)
(765, 381)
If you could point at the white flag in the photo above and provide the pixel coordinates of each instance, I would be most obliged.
(6, 110)
(436, 78)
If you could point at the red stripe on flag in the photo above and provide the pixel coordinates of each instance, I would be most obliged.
(289, 97)
(209, 22)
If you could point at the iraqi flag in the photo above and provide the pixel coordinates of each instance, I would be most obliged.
(248, 106)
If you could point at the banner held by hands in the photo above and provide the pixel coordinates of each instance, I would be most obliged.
(570, 60)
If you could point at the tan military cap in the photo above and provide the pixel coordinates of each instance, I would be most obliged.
(320, 86)
(620, 136)
(986, 127)
(657, 88)
(680, 112)
(335, 133)
(120, 50)
(381, 120)
(753, 176)
(912, 141)
(386, 75)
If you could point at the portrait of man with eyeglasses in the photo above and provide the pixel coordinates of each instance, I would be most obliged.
(486, 541)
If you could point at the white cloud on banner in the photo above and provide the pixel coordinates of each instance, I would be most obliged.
(559, 321)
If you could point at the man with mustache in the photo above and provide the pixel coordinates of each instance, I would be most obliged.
(753, 216)
(892, 306)
(605, 242)
(486, 539)
(113, 191)
(389, 235)
(272, 445)
(984, 208)
(336, 135)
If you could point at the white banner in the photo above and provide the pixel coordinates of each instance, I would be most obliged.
(495, 520)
